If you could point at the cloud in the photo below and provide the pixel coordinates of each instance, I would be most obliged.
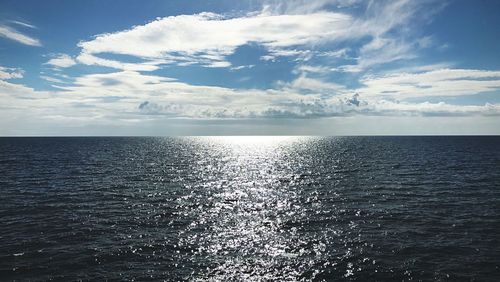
(89, 59)
(314, 107)
(314, 85)
(380, 51)
(51, 79)
(311, 69)
(23, 24)
(341, 53)
(208, 32)
(13, 34)
(418, 68)
(389, 25)
(62, 61)
(208, 38)
(242, 67)
(440, 82)
(305, 6)
(274, 53)
(10, 73)
(132, 95)
(284, 29)
(384, 107)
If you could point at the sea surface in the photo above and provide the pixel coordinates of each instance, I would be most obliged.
(250, 209)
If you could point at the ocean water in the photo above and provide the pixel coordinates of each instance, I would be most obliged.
(250, 208)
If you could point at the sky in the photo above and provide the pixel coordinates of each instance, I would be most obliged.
(254, 67)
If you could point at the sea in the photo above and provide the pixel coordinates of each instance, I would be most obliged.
(247, 208)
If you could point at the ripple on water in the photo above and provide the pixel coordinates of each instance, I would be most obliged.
(250, 208)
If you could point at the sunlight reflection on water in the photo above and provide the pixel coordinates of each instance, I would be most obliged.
(250, 200)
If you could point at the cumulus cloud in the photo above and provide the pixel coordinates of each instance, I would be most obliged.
(291, 106)
(132, 94)
(62, 61)
(129, 95)
(13, 34)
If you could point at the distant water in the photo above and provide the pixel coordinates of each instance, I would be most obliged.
(250, 208)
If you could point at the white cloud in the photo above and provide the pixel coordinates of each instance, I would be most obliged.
(341, 53)
(62, 61)
(207, 32)
(274, 53)
(311, 69)
(23, 24)
(304, 6)
(385, 107)
(15, 35)
(284, 29)
(10, 73)
(208, 38)
(89, 59)
(296, 106)
(51, 79)
(441, 82)
(380, 51)
(130, 95)
(417, 68)
(314, 85)
(242, 67)
(389, 25)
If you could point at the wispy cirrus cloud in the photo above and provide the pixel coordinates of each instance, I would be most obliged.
(305, 6)
(392, 37)
(23, 24)
(15, 35)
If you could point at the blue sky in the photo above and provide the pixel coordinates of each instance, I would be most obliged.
(321, 67)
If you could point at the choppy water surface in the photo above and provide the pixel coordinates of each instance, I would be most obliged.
(250, 208)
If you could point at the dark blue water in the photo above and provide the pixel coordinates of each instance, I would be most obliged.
(250, 208)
